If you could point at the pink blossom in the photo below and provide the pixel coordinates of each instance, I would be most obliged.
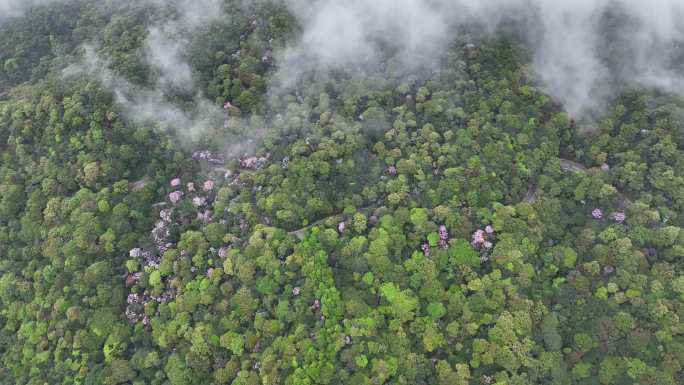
(426, 249)
(175, 196)
(191, 187)
(222, 252)
(165, 215)
(597, 213)
(250, 162)
(443, 236)
(199, 201)
(316, 304)
(135, 253)
(208, 185)
(244, 225)
(618, 217)
(340, 227)
(204, 155)
(205, 216)
(443, 233)
(227, 105)
(478, 237)
(489, 229)
(605, 167)
(175, 182)
(487, 245)
(296, 291)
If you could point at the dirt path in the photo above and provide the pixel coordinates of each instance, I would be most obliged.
(299, 233)
(568, 165)
(572, 166)
(530, 196)
(141, 183)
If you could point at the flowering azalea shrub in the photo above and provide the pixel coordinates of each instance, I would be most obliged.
(154, 263)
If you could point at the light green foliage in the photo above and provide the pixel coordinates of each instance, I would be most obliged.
(402, 304)
(436, 310)
(568, 257)
(462, 253)
(433, 239)
(584, 342)
(359, 222)
(155, 278)
(582, 370)
(419, 218)
(121, 372)
(552, 339)
(233, 342)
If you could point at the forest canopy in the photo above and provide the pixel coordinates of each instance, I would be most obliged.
(374, 192)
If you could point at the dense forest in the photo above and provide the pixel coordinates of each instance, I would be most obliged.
(451, 225)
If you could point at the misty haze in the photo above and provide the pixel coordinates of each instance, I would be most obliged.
(365, 192)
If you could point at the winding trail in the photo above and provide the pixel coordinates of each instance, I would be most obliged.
(530, 196)
(572, 166)
(569, 165)
(141, 183)
(299, 233)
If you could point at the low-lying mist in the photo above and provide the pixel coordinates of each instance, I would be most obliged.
(582, 50)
